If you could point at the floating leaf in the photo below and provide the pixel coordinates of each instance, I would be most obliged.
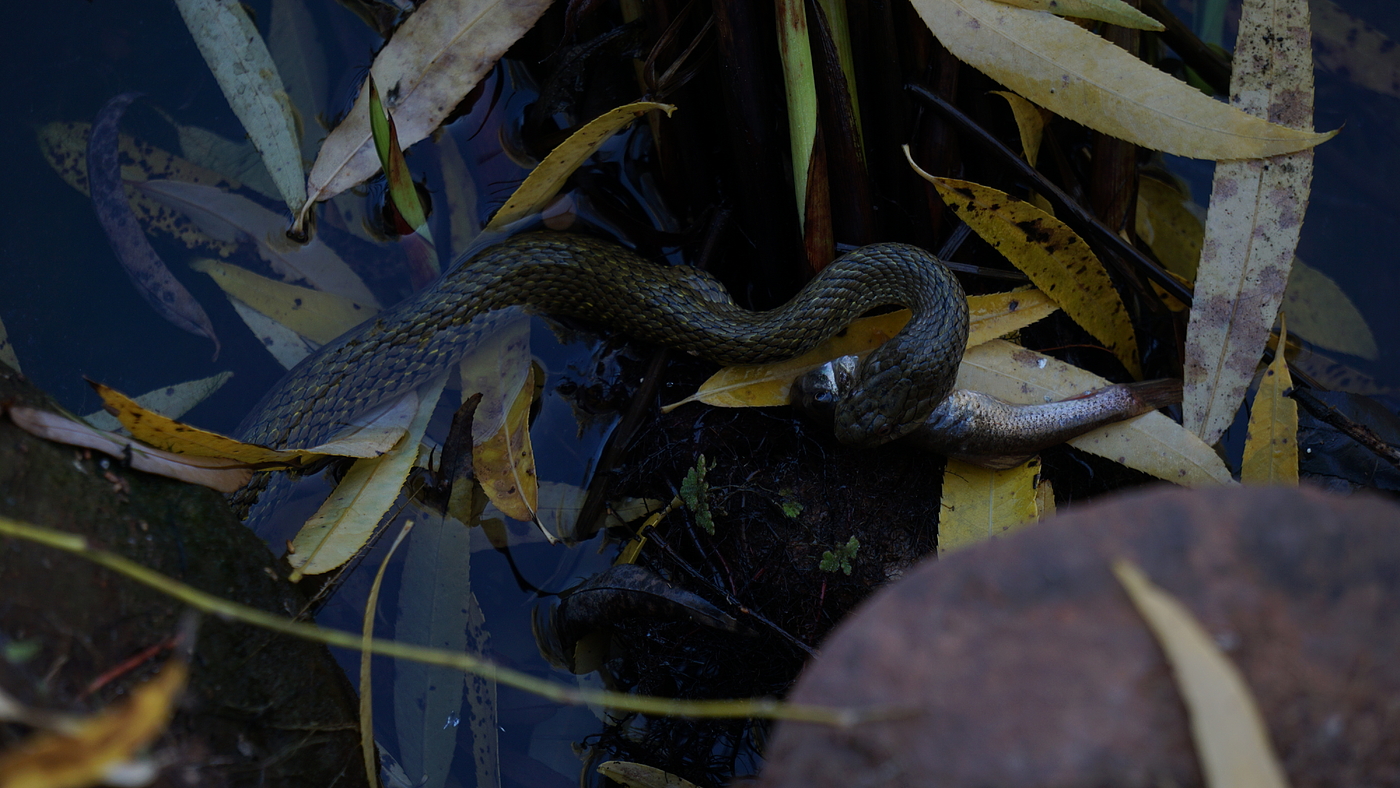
(1030, 122)
(1054, 257)
(7, 350)
(100, 744)
(1114, 12)
(639, 775)
(369, 436)
(346, 521)
(232, 217)
(432, 61)
(764, 385)
(284, 344)
(318, 316)
(226, 476)
(1271, 444)
(980, 503)
(505, 462)
(1255, 215)
(173, 401)
(64, 146)
(1078, 75)
(244, 69)
(402, 191)
(1231, 740)
(1151, 443)
(143, 266)
(1354, 49)
(545, 180)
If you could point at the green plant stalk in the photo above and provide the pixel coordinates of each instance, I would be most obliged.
(765, 708)
(401, 188)
(800, 86)
(366, 686)
(841, 35)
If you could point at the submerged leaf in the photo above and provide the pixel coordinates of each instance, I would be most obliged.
(545, 180)
(763, 385)
(1151, 443)
(226, 476)
(1355, 49)
(284, 344)
(318, 316)
(345, 522)
(244, 69)
(980, 503)
(1271, 445)
(233, 217)
(432, 61)
(143, 266)
(173, 401)
(1255, 215)
(100, 744)
(639, 775)
(1231, 739)
(292, 41)
(1054, 257)
(1080, 76)
(7, 350)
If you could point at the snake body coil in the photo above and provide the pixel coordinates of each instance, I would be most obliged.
(898, 385)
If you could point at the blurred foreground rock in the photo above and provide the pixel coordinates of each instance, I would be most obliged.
(1032, 668)
(261, 709)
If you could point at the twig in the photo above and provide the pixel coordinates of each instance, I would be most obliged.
(1357, 431)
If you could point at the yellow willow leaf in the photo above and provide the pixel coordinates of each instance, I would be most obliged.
(763, 385)
(173, 401)
(639, 775)
(349, 517)
(545, 180)
(979, 503)
(1355, 49)
(1151, 443)
(1252, 225)
(1231, 740)
(430, 63)
(1271, 445)
(7, 350)
(225, 476)
(99, 744)
(316, 315)
(1054, 257)
(1080, 76)
(1030, 123)
(1114, 12)
(505, 463)
(64, 146)
(368, 436)
(236, 53)
(1324, 315)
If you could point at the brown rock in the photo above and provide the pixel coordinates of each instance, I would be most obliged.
(1029, 666)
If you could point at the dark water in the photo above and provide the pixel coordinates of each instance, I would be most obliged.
(71, 312)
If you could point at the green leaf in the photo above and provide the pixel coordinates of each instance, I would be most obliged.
(401, 187)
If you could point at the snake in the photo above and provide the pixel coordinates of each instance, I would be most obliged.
(896, 387)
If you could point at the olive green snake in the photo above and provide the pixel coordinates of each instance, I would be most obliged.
(897, 386)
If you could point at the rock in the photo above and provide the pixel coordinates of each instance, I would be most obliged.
(261, 709)
(1029, 666)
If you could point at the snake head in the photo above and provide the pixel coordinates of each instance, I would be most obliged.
(883, 405)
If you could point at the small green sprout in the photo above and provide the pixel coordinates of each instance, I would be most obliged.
(695, 492)
(841, 558)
